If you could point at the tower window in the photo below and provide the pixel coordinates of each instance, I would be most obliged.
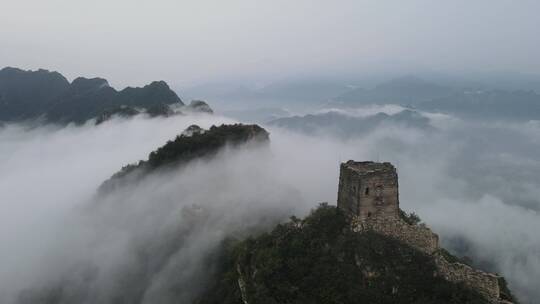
(367, 191)
(379, 191)
(379, 199)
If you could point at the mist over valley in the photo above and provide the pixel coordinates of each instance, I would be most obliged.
(269, 152)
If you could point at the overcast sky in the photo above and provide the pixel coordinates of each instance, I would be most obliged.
(132, 42)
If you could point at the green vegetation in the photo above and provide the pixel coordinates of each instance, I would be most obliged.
(185, 148)
(410, 218)
(320, 260)
(454, 259)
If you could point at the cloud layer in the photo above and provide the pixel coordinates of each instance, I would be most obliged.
(474, 183)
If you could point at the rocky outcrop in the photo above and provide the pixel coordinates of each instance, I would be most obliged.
(242, 284)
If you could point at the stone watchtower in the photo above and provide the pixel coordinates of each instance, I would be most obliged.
(368, 189)
(368, 192)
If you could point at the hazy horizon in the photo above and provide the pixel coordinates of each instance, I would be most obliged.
(195, 42)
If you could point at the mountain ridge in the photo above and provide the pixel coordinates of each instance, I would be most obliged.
(465, 102)
(193, 143)
(42, 93)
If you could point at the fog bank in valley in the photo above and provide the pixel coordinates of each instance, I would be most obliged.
(474, 183)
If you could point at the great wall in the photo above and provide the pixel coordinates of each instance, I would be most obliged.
(369, 193)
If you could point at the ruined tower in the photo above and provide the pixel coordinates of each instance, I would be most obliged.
(368, 189)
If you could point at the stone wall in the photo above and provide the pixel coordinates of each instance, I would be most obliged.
(417, 236)
(423, 239)
(485, 283)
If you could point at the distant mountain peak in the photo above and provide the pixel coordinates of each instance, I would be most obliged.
(41, 93)
(84, 84)
(158, 83)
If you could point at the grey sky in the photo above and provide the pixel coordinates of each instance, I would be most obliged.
(187, 42)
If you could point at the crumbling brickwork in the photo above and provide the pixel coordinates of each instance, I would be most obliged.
(485, 283)
(417, 236)
(368, 192)
(368, 189)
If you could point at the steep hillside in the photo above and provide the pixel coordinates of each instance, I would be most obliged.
(364, 251)
(319, 259)
(85, 98)
(26, 94)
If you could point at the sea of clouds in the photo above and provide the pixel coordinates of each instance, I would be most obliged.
(474, 183)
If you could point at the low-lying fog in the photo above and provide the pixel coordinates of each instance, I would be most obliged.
(476, 184)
